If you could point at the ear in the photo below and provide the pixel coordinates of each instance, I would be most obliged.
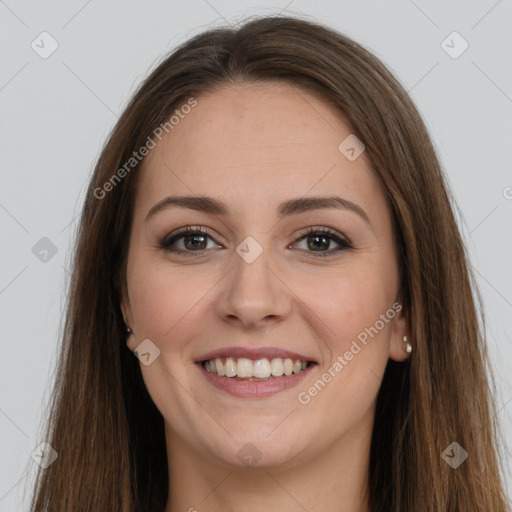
(399, 330)
(126, 309)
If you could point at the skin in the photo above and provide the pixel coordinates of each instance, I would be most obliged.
(254, 146)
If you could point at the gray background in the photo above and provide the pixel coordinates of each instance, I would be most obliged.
(57, 112)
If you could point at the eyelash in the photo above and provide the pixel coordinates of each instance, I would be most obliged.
(168, 240)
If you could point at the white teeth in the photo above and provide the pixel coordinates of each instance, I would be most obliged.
(243, 368)
(229, 367)
(276, 367)
(220, 367)
(261, 368)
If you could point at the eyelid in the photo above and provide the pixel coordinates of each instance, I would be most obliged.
(342, 240)
(181, 232)
(325, 230)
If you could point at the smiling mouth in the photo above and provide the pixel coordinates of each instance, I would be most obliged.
(264, 369)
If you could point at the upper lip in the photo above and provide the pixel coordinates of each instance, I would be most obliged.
(253, 353)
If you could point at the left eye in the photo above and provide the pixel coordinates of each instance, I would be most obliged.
(322, 238)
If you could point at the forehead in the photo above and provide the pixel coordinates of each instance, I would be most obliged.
(257, 141)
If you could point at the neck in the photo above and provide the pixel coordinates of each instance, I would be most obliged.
(335, 480)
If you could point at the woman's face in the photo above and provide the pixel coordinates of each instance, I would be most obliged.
(254, 288)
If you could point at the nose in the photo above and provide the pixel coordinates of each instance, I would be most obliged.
(254, 294)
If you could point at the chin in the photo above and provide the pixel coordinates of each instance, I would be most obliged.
(258, 450)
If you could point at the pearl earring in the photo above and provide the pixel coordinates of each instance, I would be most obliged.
(407, 346)
(128, 330)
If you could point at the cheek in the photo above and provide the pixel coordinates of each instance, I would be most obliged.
(165, 299)
(347, 302)
(359, 311)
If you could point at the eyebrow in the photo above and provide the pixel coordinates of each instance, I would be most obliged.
(291, 207)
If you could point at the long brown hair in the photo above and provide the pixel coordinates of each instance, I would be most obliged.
(108, 433)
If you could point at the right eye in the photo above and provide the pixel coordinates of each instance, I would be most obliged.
(194, 239)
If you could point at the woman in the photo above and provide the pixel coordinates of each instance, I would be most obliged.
(321, 350)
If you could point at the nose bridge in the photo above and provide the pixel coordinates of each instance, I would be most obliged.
(253, 291)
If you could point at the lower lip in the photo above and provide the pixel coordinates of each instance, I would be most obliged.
(254, 389)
